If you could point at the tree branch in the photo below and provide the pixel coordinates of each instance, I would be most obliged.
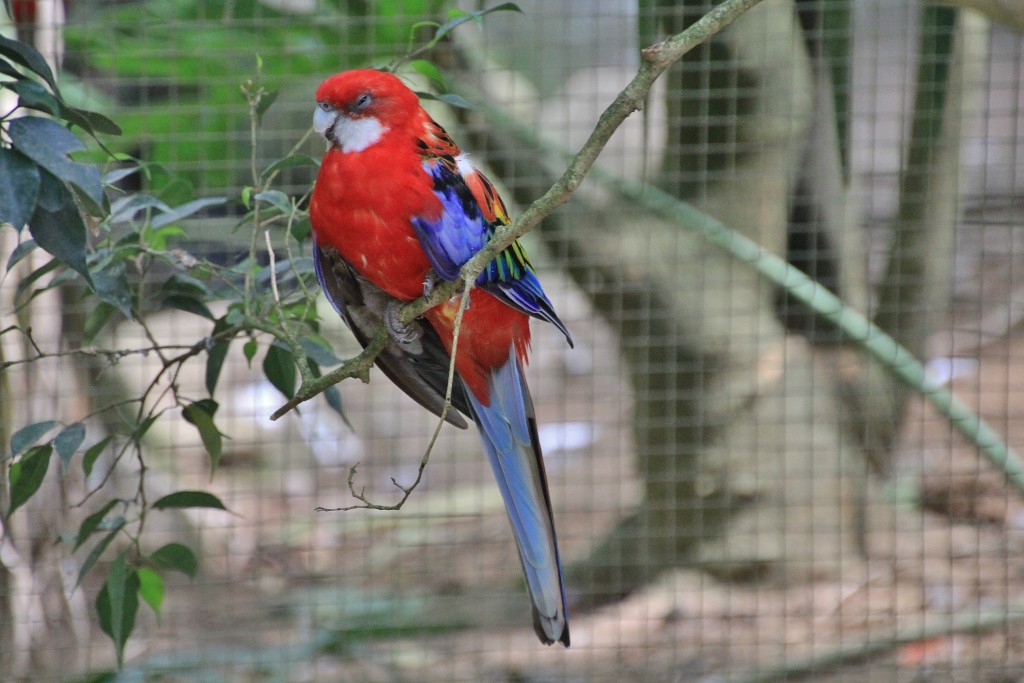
(656, 59)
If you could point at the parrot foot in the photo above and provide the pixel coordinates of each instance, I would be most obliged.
(433, 280)
(401, 333)
(430, 281)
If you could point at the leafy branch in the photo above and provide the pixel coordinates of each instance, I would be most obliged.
(130, 261)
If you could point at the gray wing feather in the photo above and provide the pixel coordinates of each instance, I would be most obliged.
(419, 367)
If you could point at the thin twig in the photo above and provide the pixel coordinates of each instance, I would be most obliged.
(360, 495)
(112, 355)
(273, 274)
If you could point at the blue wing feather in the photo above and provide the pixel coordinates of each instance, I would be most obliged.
(462, 230)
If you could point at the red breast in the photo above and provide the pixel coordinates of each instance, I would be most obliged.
(362, 205)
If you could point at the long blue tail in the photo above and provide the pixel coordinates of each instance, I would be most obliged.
(508, 427)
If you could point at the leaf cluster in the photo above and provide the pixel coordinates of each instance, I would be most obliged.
(126, 255)
(45, 188)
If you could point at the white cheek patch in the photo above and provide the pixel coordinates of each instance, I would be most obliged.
(355, 135)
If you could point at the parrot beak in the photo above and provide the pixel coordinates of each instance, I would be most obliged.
(323, 120)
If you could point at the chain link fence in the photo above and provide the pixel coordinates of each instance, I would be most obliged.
(746, 485)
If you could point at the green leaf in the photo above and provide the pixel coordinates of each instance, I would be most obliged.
(19, 188)
(27, 56)
(118, 603)
(28, 435)
(34, 276)
(449, 98)
(6, 67)
(110, 284)
(279, 200)
(188, 304)
(124, 209)
(200, 416)
(48, 143)
(176, 557)
(90, 121)
(333, 398)
(95, 322)
(89, 459)
(189, 499)
(141, 429)
(279, 367)
(187, 209)
(301, 229)
(53, 195)
(118, 174)
(290, 161)
(319, 350)
(67, 442)
(215, 357)
(430, 70)
(284, 270)
(158, 238)
(98, 549)
(267, 99)
(31, 95)
(26, 475)
(151, 588)
(92, 523)
(20, 252)
(249, 349)
(61, 231)
(183, 283)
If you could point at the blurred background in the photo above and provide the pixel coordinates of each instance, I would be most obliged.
(741, 492)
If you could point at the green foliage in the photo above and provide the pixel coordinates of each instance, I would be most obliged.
(198, 51)
(118, 603)
(176, 557)
(42, 186)
(189, 499)
(133, 263)
(134, 258)
(26, 475)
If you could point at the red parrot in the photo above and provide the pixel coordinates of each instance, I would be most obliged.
(395, 207)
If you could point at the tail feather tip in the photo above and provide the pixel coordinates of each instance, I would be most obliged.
(551, 630)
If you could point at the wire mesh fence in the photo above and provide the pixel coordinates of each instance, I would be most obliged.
(744, 487)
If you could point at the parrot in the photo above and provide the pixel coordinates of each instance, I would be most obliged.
(396, 208)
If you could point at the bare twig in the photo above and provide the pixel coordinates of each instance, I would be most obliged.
(407, 490)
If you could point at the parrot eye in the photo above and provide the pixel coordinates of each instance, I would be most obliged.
(362, 101)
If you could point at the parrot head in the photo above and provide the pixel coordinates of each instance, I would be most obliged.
(356, 108)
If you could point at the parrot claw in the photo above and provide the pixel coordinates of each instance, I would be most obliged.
(433, 280)
(401, 333)
(430, 281)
